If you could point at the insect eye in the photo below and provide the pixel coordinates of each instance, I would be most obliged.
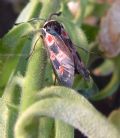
(56, 29)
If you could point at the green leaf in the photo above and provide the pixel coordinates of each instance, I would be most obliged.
(90, 32)
(11, 40)
(83, 6)
(8, 112)
(32, 10)
(3, 110)
(11, 61)
(114, 117)
(100, 9)
(113, 85)
(66, 105)
(104, 69)
(86, 88)
(109, 89)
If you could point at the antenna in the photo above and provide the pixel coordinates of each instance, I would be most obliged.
(31, 20)
(36, 19)
(54, 14)
(87, 51)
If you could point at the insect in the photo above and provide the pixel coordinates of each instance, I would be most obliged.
(63, 55)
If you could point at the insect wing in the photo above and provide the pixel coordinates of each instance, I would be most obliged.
(61, 59)
(79, 65)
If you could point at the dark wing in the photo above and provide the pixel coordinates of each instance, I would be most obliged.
(62, 61)
(79, 65)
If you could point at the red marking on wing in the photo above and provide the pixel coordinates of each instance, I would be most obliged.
(64, 33)
(63, 59)
(61, 70)
(49, 38)
(52, 55)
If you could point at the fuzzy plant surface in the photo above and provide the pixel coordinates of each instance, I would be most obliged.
(30, 107)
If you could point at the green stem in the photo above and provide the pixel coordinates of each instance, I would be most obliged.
(61, 128)
(109, 89)
(79, 18)
(34, 79)
(12, 93)
(113, 84)
(46, 128)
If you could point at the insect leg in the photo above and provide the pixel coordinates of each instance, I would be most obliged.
(55, 80)
(33, 48)
(87, 51)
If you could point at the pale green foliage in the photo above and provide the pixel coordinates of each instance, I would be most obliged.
(29, 107)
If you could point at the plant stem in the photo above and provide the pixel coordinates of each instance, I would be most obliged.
(34, 79)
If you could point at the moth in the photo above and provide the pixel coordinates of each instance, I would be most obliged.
(62, 52)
